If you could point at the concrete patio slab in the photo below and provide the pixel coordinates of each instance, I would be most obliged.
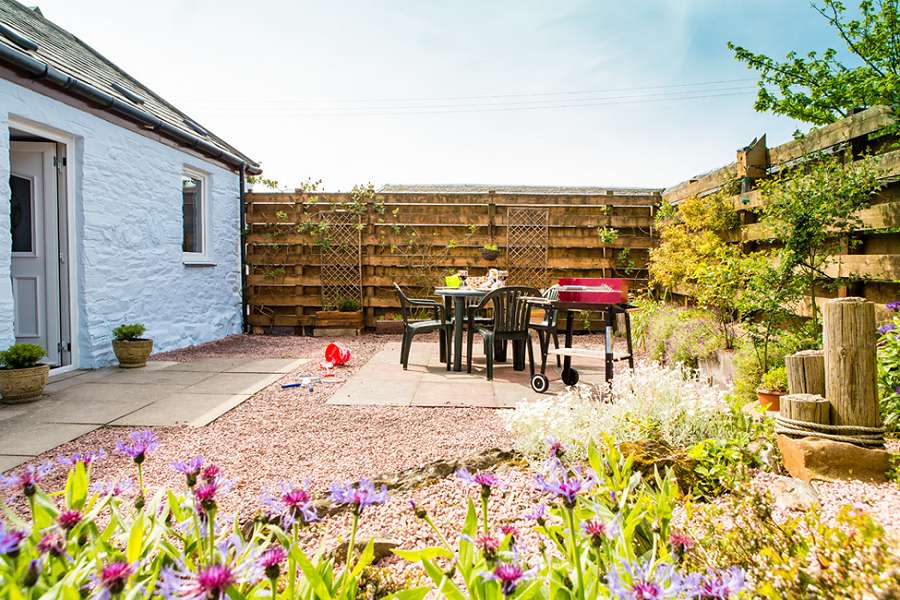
(164, 393)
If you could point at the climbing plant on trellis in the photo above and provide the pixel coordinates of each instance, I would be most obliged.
(340, 247)
(527, 237)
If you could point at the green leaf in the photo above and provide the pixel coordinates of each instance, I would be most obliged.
(76, 487)
(443, 584)
(429, 553)
(410, 594)
(135, 538)
(312, 574)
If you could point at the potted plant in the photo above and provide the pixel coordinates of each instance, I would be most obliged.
(774, 385)
(22, 378)
(131, 349)
(490, 251)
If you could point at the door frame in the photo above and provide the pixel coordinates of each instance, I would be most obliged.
(65, 191)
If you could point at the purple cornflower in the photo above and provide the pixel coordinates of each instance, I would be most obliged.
(210, 583)
(35, 567)
(190, 468)
(210, 473)
(538, 513)
(10, 540)
(886, 328)
(510, 530)
(897, 389)
(643, 581)
(292, 503)
(53, 544)
(555, 448)
(26, 478)
(87, 458)
(597, 531)
(508, 575)
(893, 305)
(488, 545)
(715, 585)
(113, 577)
(141, 444)
(68, 519)
(113, 488)
(564, 486)
(205, 495)
(271, 560)
(360, 496)
(485, 479)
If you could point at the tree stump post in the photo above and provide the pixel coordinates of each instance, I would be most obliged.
(806, 372)
(810, 408)
(849, 351)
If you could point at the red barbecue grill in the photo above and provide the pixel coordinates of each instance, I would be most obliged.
(606, 295)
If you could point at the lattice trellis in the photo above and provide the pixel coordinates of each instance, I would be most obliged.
(527, 237)
(341, 272)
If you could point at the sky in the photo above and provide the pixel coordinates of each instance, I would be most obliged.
(605, 92)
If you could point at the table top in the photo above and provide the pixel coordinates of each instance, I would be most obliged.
(467, 291)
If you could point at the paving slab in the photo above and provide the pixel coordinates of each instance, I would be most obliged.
(212, 365)
(40, 437)
(269, 365)
(182, 408)
(11, 461)
(97, 410)
(233, 383)
(156, 377)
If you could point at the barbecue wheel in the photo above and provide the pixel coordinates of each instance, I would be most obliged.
(540, 383)
(570, 376)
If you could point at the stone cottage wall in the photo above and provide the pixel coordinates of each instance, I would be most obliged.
(128, 234)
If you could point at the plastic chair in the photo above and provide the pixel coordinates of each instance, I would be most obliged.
(546, 329)
(511, 316)
(412, 328)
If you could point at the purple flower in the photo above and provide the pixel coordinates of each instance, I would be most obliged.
(113, 488)
(292, 503)
(271, 560)
(26, 478)
(190, 468)
(210, 473)
(141, 444)
(598, 531)
(35, 567)
(360, 496)
(564, 485)
(894, 305)
(715, 585)
(680, 542)
(538, 513)
(886, 328)
(87, 458)
(488, 545)
(643, 581)
(113, 577)
(485, 479)
(68, 519)
(555, 448)
(10, 540)
(53, 544)
(205, 495)
(210, 583)
(508, 575)
(897, 389)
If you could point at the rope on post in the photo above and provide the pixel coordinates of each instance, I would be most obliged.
(852, 434)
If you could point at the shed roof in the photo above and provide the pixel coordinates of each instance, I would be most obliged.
(30, 42)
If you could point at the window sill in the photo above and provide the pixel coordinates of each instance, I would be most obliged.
(198, 262)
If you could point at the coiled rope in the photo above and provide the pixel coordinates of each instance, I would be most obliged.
(853, 434)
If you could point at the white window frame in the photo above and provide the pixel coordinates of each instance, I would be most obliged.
(198, 258)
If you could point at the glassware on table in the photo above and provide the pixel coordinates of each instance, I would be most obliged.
(502, 276)
(463, 276)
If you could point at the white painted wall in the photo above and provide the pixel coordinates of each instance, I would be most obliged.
(128, 234)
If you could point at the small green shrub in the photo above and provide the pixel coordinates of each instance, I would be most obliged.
(775, 380)
(348, 305)
(491, 247)
(720, 466)
(21, 356)
(675, 335)
(129, 332)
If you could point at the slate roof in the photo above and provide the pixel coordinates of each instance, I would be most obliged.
(470, 188)
(65, 52)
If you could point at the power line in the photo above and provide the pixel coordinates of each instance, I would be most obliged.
(300, 102)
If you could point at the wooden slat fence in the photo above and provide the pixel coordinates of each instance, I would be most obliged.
(870, 268)
(415, 239)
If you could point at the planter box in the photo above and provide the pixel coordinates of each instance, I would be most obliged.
(338, 319)
(388, 327)
(718, 368)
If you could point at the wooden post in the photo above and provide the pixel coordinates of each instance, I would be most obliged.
(811, 408)
(850, 376)
(806, 372)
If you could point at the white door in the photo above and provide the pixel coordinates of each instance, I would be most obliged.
(34, 221)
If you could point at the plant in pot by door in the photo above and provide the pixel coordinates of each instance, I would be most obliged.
(774, 385)
(131, 349)
(490, 251)
(22, 379)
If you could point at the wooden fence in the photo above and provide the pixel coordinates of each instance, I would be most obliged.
(870, 266)
(415, 239)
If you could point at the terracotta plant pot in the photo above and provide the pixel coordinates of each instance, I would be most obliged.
(132, 354)
(23, 385)
(771, 400)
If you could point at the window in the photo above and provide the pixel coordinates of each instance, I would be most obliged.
(194, 213)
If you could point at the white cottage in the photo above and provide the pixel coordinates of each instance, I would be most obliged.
(121, 209)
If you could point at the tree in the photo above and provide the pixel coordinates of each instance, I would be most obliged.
(819, 88)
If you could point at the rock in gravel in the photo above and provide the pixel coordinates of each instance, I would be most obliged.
(381, 546)
(815, 458)
(792, 494)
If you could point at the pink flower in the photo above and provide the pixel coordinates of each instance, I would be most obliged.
(26, 478)
(272, 559)
(53, 544)
(488, 545)
(114, 576)
(292, 503)
(69, 519)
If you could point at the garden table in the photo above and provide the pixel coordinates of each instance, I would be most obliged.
(458, 297)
